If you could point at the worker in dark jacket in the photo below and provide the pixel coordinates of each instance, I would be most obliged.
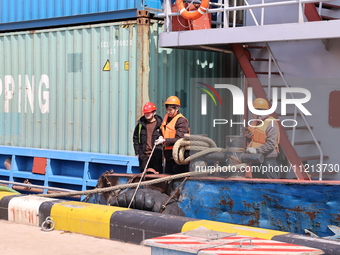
(174, 127)
(144, 136)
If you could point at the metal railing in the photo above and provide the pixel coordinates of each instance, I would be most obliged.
(271, 57)
(223, 10)
(223, 7)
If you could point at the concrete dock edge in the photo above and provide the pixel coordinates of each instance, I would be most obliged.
(134, 226)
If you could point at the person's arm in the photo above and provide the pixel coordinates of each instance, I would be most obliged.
(135, 139)
(182, 128)
(272, 134)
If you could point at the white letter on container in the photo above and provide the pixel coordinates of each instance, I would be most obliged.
(45, 95)
(29, 93)
(8, 93)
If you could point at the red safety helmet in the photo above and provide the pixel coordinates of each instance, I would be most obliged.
(149, 107)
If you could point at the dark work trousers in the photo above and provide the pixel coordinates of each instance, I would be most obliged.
(155, 161)
(269, 173)
(171, 167)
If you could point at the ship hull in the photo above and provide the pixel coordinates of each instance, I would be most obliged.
(285, 205)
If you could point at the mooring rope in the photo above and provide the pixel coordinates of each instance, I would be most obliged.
(144, 172)
(130, 185)
(123, 186)
(201, 144)
(198, 145)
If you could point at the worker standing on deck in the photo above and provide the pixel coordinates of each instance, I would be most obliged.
(144, 137)
(264, 138)
(174, 127)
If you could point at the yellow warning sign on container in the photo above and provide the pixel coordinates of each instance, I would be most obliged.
(107, 66)
(126, 65)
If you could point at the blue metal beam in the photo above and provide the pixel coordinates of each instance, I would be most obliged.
(69, 20)
(122, 160)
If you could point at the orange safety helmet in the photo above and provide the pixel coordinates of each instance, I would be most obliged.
(260, 103)
(149, 107)
(173, 100)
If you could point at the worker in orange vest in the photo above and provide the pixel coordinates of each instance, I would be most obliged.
(174, 127)
(145, 134)
(264, 138)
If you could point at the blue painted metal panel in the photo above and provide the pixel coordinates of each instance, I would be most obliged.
(286, 206)
(153, 4)
(67, 169)
(68, 20)
(26, 10)
(32, 14)
(67, 155)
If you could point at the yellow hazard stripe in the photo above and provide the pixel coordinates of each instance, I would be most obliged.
(232, 228)
(6, 194)
(83, 218)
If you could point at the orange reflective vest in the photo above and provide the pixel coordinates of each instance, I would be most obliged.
(169, 130)
(260, 136)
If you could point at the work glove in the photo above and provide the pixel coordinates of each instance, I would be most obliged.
(251, 150)
(160, 140)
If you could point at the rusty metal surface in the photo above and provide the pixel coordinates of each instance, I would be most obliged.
(334, 109)
(213, 177)
(286, 205)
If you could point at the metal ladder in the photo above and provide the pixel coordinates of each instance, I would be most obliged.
(323, 11)
(268, 56)
(312, 14)
(253, 80)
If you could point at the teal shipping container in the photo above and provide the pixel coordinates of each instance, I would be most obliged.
(82, 88)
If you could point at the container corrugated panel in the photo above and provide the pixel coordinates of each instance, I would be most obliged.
(153, 5)
(25, 10)
(57, 90)
(176, 72)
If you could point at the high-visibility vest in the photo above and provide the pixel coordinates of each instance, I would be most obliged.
(260, 136)
(168, 130)
(139, 130)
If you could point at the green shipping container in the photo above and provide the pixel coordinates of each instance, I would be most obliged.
(82, 88)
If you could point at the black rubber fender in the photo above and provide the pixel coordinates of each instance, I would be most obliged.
(147, 200)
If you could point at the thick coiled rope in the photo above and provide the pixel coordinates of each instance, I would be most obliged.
(198, 145)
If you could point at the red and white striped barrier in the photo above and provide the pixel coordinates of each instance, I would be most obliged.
(232, 244)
